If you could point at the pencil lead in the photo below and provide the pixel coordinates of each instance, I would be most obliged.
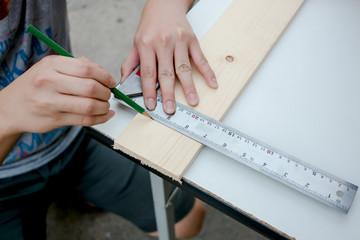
(146, 114)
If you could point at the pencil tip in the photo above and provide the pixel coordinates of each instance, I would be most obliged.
(146, 114)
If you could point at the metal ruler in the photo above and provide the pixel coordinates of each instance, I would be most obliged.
(289, 170)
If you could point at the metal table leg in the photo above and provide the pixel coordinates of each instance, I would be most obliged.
(164, 211)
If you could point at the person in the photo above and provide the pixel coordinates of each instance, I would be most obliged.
(45, 99)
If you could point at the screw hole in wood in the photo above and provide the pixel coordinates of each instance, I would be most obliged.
(229, 58)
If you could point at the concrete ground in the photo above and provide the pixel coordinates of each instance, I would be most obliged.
(103, 31)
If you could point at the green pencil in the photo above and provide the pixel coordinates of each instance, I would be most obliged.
(57, 48)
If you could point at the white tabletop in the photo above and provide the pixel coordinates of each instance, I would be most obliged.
(304, 100)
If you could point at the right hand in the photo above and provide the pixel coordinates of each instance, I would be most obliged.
(57, 91)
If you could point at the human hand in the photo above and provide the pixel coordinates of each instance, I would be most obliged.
(57, 91)
(163, 44)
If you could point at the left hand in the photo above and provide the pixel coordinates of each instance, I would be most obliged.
(163, 45)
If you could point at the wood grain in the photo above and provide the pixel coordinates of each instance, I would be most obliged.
(245, 33)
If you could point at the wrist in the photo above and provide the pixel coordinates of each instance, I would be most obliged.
(187, 4)
(182, 4)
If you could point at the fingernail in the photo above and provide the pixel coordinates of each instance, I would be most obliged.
(193, 99)
(113, 82)
(150, 104)
(122, 78)
(169, 107)
(213, 82)
(111, 114)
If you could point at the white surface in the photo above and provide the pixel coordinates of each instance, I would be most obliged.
(304, 100)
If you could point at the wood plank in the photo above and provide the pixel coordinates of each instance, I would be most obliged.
(235, 46)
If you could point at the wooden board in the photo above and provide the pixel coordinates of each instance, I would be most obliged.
(235, 46)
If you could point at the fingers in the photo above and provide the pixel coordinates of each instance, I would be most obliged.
(131, 62)
(166, 78)
(82, 68)
(81, 105)
(183, 71)
(84, 91)
(84, 87)
(167, 58)
(202, 64)
(82, 111)
(85, 120)
(164, 43)
(148, 76)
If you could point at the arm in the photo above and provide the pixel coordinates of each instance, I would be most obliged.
(57, 91)
(163, 46)
(7, 141)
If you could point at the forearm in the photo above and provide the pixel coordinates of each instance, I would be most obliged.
(6, 144)
(8, 135)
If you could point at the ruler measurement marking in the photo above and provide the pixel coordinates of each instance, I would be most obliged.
(259, 156)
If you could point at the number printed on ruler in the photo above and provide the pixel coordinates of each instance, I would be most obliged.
(280, 166)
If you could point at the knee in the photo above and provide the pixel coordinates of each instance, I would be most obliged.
(191, 224)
